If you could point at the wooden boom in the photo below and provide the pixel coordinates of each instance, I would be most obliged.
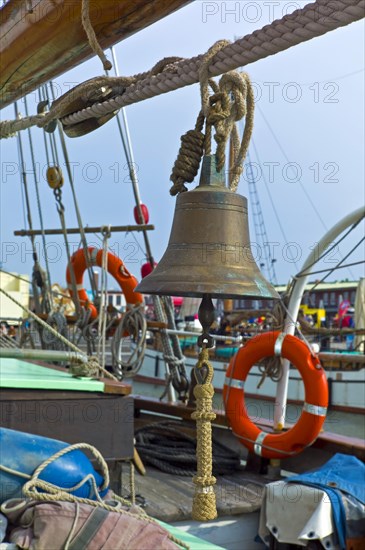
(41, 39)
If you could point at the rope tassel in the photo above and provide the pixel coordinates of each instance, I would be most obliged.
(204, 503)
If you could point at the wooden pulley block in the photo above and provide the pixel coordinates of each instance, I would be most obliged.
(54, 177)
(77, 99)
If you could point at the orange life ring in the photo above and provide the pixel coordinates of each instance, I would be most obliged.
(307, 428)
(116, 268)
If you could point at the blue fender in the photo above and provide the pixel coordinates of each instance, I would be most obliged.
(24, 452)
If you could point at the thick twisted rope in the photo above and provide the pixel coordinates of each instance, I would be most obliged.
(313, 20)
(204, 503)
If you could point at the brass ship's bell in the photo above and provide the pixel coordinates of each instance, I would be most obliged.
(209, 249)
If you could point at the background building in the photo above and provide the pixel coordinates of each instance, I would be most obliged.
(17, 288)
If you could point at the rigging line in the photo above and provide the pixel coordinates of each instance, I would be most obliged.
(335, 244)
(271, 200)
(23, 205)
(138, 244)
(260, 228)
(299, 181)
(39, 206)
(52, 135)
(336, 267)
(327, 81)
(77, 209)
(25, 185)
(42, 98)
(61, 208)
(127, 146)
(28, 209)
(288, 161)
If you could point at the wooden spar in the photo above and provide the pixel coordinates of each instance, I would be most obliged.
(41, 43)
(76, 230)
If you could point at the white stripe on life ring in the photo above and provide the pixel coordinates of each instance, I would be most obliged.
(317, 410)
(234, 383)
(279, 344)
(93, 255)
(259, 442)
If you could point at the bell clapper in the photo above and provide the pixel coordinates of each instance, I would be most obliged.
(206, 316)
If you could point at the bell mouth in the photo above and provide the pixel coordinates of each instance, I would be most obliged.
(235, 285)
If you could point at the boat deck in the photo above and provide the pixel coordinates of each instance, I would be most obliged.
(169, 497)
(239, 495)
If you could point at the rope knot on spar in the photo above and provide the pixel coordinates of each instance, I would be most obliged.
(204, 503)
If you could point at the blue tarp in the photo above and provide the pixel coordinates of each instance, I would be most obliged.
(341, 474)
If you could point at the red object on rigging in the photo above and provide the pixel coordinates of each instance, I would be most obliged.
(145, 214)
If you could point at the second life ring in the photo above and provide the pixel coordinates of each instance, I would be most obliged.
(307, 428)
(116, 268)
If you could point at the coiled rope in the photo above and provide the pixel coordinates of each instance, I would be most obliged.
(166, 447)
(131, 331)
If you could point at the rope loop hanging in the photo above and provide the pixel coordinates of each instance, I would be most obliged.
(91, 36)
(232, 99)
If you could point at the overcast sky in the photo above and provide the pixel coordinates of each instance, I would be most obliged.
(309, 135)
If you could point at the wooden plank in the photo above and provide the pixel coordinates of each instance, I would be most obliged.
(44, 42)
(169, 497)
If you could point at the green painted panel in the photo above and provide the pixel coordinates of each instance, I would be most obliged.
(194, 542)
(16, 373)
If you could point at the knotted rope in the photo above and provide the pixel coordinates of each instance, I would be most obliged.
(232, 99)
(204, 503)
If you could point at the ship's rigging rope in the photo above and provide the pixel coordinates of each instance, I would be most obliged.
(47, 292)
(76, 204)
(102, 318)
(39, 279)
(311, 21)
